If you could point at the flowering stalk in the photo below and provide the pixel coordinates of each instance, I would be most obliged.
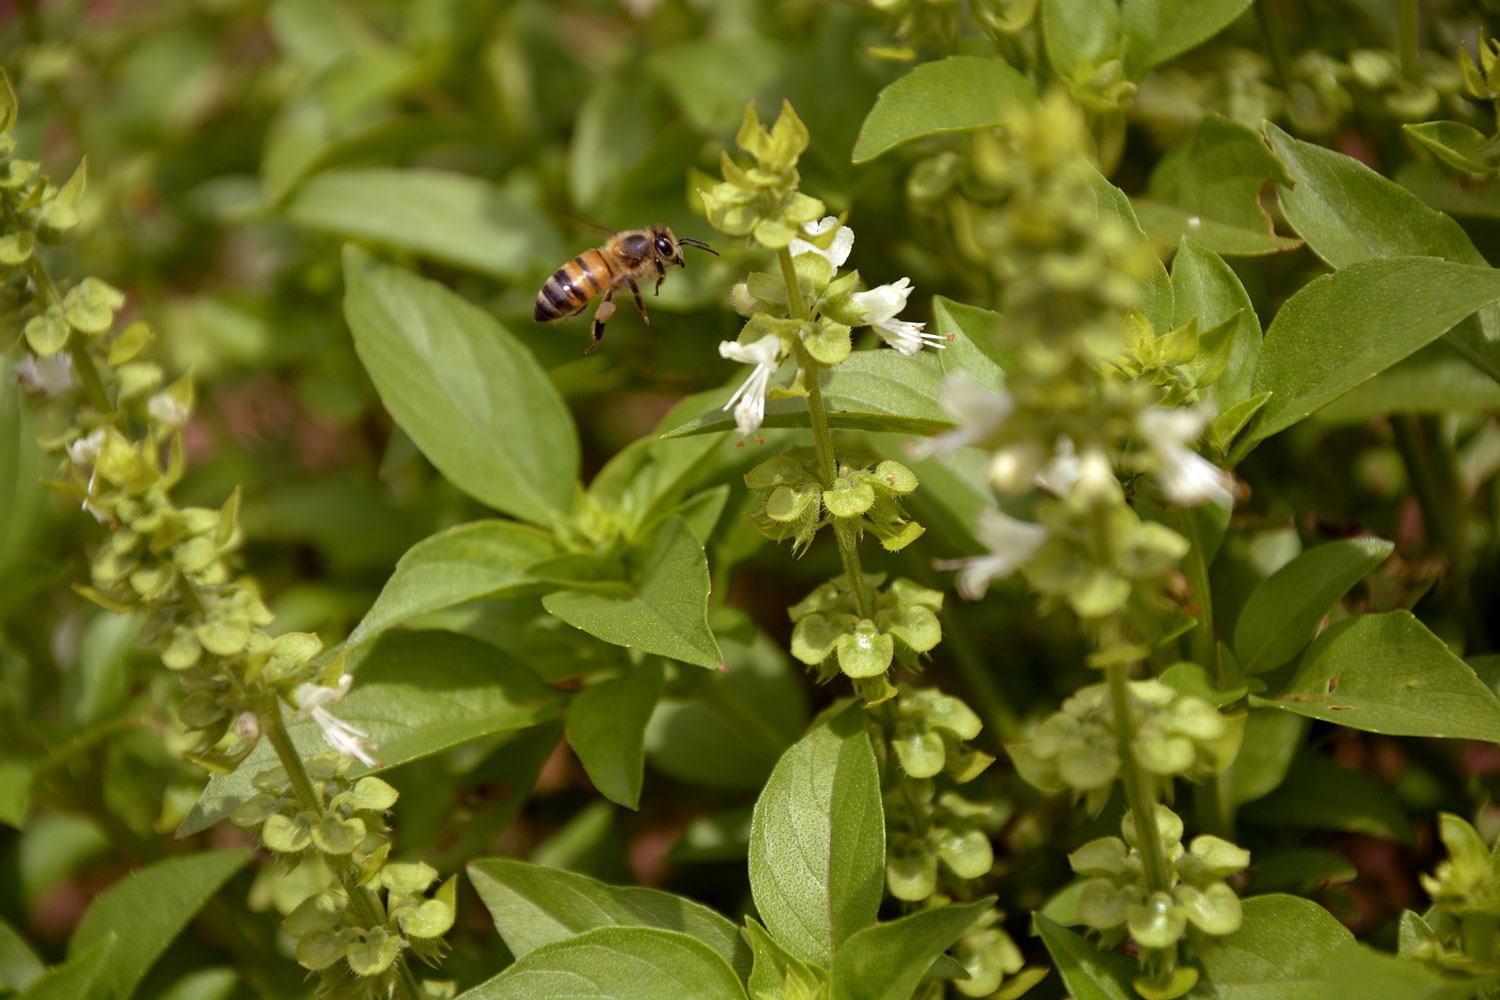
(121, 456)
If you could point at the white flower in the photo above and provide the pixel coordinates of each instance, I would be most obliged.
(52, 375)
(1186, 477)
(838, 250)
(1096, 476)
(880, 306)
(166, 409)
(83, 452)
(749, 400)
(247, 728)
(351, 741)
(1010, 542)
(1013, 469)
(977, 410)
(1058, 475)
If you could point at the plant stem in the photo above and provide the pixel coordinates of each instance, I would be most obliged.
(1139, 794)
(817, 416)
(1406, 38)
(364, 902)
(36, 271)
(1276, 49)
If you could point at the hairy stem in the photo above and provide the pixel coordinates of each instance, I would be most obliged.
(364, 902)
(1139, 793)
(817, 415)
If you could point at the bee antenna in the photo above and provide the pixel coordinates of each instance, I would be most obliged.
(689, 242)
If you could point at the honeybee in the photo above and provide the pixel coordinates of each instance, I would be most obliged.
(628, 257)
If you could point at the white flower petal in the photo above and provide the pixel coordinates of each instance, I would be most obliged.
(1058, 475)
(1179, 425)
(883, 302)
(977, 409)
(749, 400)
(52, 375)
(1011, 544)
(838, 250)
(1188, 479)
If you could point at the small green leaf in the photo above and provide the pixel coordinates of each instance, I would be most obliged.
(463, 563)
(144, 912)
(1349, 326)
(1158, 30)
(1080, 34)
(1357, 970)
(448, 217)
(470, 395)
(888, 960)
(1456, 144)
(78, 976)
(416, 694)
(817, 840)
(19, 964)
(973, 335)
(534, 905)
(616, 963)
(372, 795)
(1206, 289)
(374, 954)
(1283, 611)
(1388, 674)
(1270, 742)
(1209, 189)
(606, 725)
(777, 973)
(955, 94)
(668, 614)
(1088, 973)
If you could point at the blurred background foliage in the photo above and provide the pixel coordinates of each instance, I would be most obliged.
(234, 145)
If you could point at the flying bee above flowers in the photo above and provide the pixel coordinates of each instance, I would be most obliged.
(627, 258)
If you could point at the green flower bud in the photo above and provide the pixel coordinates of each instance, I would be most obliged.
(864, 651)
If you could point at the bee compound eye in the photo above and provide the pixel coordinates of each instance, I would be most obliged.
(664, 246)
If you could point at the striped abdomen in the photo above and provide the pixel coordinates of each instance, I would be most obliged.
(572, 285)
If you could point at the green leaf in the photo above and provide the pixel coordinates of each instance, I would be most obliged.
(1158, 30)
(1436, 379)
(534, 905)
(1456, 144)
(1388, 674)
(1283, 611)
(729, 729)
(1319, 794)
(888, 960)
(777, 973)
(973, 335)
(447, 217)
(1302, 870)
(1343, 328)
(1271, 741)
(15, 791)
(1349, 213)
(78, 975)
(1280, 952)
(1357, 970)
(463, 563)
(469, 394)
(616, 963)
(1088, 973)
(606, 727)
(1111, 202)
(416, 694)
(1206, 289)
(1080, 34)
(1440, 190)
(144, 911)
(19, 964)
(817, 840)
(668, 614)
(878, 390)
(1208, 187)
(955, 94)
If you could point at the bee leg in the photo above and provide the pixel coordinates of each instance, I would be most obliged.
(601, 316)
(640, 302)
(661, 275)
